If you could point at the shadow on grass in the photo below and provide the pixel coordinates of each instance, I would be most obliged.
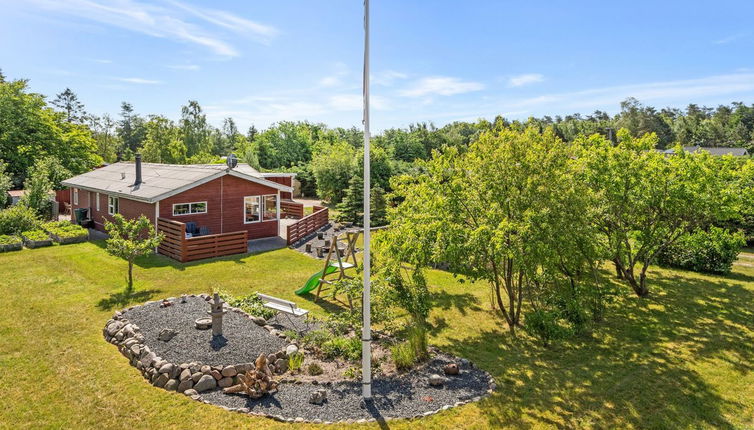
(158, 260)
(125, 298)
(639, 369)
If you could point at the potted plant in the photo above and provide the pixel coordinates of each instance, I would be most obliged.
(10, 243)
(36, 238)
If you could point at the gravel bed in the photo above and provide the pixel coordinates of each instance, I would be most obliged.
(242, 342)
(406, 396)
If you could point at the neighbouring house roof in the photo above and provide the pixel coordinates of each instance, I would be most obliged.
(17, 193)
(160, 181)
(720, 150)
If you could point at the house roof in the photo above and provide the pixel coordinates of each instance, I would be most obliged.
(736, 152)
(160, 181)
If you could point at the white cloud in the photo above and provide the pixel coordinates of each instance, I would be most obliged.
(525, 79)
(165, 22)
(729, 39)
(387, 78)
(329, 81)
(102, 61)
(440, 85)
(192, 67)
(138, 81)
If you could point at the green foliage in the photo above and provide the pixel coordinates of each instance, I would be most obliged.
(709, 251)
(35, 235)
(317, 337)
(5, 185)
(314, 369)
(647, 200)
(348, 348)
(332, 167)
(38, 188)
(286, 144)
(162, 143)
(250, 303)
(403, 355)
(17, 219)
(64, 229)
(545, 325)
(130, 238)
(295, 361)
(406, 289)
(9, 239)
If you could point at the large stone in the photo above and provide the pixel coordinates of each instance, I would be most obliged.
(113, 328)
(191, 393)
(318, 396)
(436, 380)
(205, 369)
(206, 383)
(215, 374)
(229, 371)
(259, 321)
(225, 382)
(161, 380)
(291, 349)
(135, 350)
(172, 384)
(148, 359)
(197, 376)
(166, 334)
(166, 368)
(203, 323)
(451, 369)
(185, 385)
(185, 375)
(281, 365)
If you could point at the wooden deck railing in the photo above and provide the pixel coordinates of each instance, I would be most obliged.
(176, 246)
(291, 209)
(308, 224)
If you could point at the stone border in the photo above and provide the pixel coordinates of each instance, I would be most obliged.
(193, 378)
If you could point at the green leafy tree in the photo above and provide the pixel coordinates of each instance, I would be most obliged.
(131, 238)
(163, 143)
(130, 130)
(103, 131)
(195, 130)
(5, 185)
(333, 167)
(488, 213)
(285, 144)
(647, 200)
(68, 102)
(38, 188)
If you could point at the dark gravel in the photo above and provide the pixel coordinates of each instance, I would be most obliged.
(405, 396)
(242, 343)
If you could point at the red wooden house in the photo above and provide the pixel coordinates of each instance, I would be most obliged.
(215, 198)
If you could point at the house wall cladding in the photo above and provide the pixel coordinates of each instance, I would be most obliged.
(127, 207)
(225, 207)
(287, 181)
(223, 196)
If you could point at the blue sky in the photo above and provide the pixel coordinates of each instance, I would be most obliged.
(441, 61)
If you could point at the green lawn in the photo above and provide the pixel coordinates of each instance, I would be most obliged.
(683, 358)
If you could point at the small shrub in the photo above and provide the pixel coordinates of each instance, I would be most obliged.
(710, 251)
(404, 355)
(291, 334)
(417, 340)
(9, 240)
(314, 369)
(17, 219)
(317, 338)
(64, 230)
(352, 373)
(251, 304)
(348, 348)
(295, 361)
(544, 325)
(36, 235)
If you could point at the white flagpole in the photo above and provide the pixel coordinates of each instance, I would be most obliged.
(366, 333)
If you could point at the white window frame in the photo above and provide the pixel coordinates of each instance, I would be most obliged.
(264, 207)
(259, 205)
(76, 196)
(113, 205)
(190, 206)
(96, 204)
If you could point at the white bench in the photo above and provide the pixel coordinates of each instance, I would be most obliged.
(282, 305)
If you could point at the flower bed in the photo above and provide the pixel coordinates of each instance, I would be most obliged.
(65, 232)
(36, 238)
(10, 243)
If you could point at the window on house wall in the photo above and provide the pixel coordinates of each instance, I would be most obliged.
(96, 203)
(270, 207)
(190, 208)
(251, 210)
(112, 205)
(75, 196)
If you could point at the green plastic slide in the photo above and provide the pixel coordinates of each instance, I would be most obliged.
(313, 282)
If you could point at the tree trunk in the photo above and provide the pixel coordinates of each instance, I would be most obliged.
(619, 269)
(640, 286)
(130, 276)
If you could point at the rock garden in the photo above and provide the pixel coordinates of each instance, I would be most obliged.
(241, 356)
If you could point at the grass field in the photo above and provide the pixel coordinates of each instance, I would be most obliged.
(683, 358)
